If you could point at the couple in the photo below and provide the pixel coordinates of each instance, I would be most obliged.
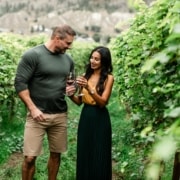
(40, 82)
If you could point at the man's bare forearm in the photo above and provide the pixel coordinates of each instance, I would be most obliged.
(25, 97)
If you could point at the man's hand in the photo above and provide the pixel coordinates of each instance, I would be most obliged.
(37, 114)
(70, 90)
(34, 111)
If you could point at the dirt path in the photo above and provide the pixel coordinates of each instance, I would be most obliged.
(16, 159)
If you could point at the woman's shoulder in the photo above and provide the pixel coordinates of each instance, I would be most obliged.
(109, 79)
(110, 76)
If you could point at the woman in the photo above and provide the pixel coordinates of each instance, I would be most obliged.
(94, 130)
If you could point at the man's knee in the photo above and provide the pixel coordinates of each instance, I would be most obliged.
(30, 160)
(54, 155)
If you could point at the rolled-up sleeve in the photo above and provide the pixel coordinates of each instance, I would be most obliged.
(24, 72)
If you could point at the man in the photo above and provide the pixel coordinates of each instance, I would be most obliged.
(40, 83)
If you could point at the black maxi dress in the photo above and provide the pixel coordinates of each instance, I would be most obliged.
(94, 144)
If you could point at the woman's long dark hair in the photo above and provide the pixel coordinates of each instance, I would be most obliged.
(106, 67)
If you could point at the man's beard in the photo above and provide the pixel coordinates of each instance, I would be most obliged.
(60, 51)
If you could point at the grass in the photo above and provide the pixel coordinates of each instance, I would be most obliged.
(12, 170)
(127, 162)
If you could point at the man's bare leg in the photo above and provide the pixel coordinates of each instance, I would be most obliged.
(28, 167)
(53, 165)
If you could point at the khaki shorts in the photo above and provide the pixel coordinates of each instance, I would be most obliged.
(55, 127)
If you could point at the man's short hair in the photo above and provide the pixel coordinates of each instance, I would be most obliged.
(62, 31)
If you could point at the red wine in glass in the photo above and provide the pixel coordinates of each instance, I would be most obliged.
(70, 79)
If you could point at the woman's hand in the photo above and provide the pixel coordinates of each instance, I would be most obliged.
(81, 81)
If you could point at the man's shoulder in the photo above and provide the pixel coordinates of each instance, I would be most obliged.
(32, 54)
(34, 50)
(69, 56)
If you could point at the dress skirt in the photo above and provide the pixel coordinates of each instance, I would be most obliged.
(94, 144)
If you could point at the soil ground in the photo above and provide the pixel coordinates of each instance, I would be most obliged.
(17, 158)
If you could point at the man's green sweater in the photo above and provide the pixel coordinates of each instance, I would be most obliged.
(44, 74)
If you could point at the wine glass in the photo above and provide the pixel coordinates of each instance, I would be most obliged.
(70, 80)
(79, 77)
